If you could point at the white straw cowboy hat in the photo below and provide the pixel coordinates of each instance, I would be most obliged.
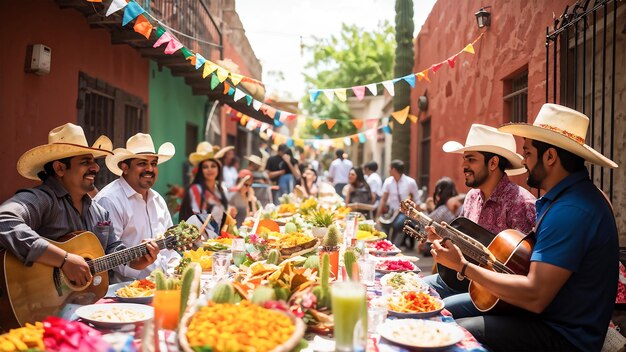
(205, 151)
(255, 159)
(63, 142)
(482, 138)
(562, 127)
(139, 146)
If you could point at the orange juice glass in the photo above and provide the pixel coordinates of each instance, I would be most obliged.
(166, 309)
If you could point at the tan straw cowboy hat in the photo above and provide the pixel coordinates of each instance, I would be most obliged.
(482, 138)
(63, 142)
(562, 127)
(205, 151)
(139, 146)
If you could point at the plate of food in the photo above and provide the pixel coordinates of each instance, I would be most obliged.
(421, 334)
(413, 304)
(404, 281)
(368, 233)
(396, 265)
(138, 291)
(115, 315)
(382, 248)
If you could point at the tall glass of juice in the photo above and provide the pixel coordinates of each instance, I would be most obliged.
(166, 309)
(348, 302)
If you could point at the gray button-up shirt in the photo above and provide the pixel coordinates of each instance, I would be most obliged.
(47, 211)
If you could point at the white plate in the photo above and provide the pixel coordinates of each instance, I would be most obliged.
(421, 334)
(141, 300)
(412, 282)
(416, 269)
(86, 313)
(419, 315)
(383, 253)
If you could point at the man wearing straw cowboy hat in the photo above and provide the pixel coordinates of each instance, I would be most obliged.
(494, 202)
(60, 205)
(572, 281)
(137, 211)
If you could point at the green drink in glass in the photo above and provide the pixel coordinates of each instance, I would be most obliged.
(348, 303)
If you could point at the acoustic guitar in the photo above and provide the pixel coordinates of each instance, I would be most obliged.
(509, 252)
(29, 294)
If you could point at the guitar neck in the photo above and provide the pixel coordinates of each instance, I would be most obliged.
(124, 256)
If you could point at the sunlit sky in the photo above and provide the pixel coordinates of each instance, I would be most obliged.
(274, 29)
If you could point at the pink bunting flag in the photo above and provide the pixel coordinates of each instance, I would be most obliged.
(166, 37)
(359, 92)
(451, 61)
(371, 123)
(436, 67)
(173, 46)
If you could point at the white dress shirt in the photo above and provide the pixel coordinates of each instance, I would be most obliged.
(406, 186)
(376, 183)
(339, 170)
(134, 220)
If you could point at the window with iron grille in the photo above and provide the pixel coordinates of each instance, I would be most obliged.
(516, 98)
(106, 110)
(424, 178)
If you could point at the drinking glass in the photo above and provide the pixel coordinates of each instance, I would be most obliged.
(238, 251)
(351, 227)
(220, 264)
(349, 307)
(367, 271)
(376, 316)
(166, 309)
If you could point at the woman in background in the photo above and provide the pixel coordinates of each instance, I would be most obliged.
(358, 190)
(243, 198)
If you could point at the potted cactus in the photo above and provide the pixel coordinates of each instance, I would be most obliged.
(330, 246)
(321, 220)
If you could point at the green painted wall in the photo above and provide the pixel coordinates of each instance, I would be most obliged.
(171, 106)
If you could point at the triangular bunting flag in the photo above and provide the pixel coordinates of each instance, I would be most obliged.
(270, 111)
(131, 12)
(347, 141)
(231, 91)
(214, 81)
(313, 94)
(200, 60)
(264, 108)
(359, 92)
(316, 123)
(329, 93)
(166, 37)
(172, 46)
(451, 61)
(371, 133)
(387, 129)
(401, 115)
(248, 100)
(279, 116)
(269, 132)
(469, 48)
(290, 142)
(390, 88)
(410, 79)
(143, 26)
(235, 78)
(423, 75)
(222, 74)
(226, 88)
(358, 124)
(372, 88)
(160, 31)
(436, 67)
(256, 105)
(371, 123)
(341, 94)
(115, 6)
(299, 142)
(238, 93)
(244, 120)
(413, 118)
(264, 127)
(209, 68)
(330, 123)
(186, 53)
(355, 138)
(277, 123)
(291, 117)
(362, 138)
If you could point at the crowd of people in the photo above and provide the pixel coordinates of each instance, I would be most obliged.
(566, 297)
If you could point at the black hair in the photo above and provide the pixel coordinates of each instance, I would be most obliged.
(339, 153)
(283, 148)
(306, 185)
(503, 163)
(48, 169)
(444, 190)
(570, 161)
(398, 165)
(185, 206)
(372, 165)
(360, 180)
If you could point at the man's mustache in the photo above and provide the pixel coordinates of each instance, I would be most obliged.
(147, 173)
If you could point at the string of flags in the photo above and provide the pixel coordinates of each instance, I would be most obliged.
(266, 132)
(389, 85)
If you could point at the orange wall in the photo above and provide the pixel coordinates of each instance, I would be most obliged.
(472, 92)
(31, 105)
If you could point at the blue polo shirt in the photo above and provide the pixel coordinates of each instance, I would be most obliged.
(579, 234)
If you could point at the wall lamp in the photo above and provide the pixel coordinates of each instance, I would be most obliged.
(483, 17)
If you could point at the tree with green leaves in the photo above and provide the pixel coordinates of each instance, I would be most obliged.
(352, 58)
(404, 65)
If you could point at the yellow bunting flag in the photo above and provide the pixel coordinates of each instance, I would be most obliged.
(413, 118)
(341, 94)
(338, 142)
(209, 68)
(235, 78)
(222, 74)
(298, 142)
(142, 26)
(401, 115)
(423, 75)
(317, 123)
(469, 49)
(244, 120)
(330, 123)
(358, 124)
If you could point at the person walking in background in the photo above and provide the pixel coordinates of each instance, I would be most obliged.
(338, 171)
(137, 211)
(230, 169)
(206, 193)
(373, 179)
(397, 188)
(243, 199)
